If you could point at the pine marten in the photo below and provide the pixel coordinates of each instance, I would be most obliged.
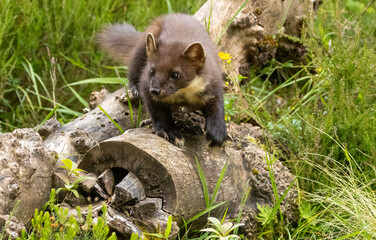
(173, 63)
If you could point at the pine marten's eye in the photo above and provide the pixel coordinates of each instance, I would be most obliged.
(175, 75)
(152, 71)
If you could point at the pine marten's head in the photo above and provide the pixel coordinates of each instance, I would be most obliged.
(174, 71)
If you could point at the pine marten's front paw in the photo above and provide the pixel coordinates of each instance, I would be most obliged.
(173, 136)
(216, 132)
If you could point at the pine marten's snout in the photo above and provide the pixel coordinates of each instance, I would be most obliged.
(155, 91)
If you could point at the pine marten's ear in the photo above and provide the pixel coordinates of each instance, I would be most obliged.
(195, 53)
(151, 46)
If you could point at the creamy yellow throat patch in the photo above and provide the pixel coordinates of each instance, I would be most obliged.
(192, 94)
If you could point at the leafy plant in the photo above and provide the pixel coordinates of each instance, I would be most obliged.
(135, 236)
(266, 214)
(72, 171)
(222, 230)
(58, 224)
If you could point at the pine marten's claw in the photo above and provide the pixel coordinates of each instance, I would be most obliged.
(173, 136)
(133, 93)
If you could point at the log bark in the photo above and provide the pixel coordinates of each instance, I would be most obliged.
(26, 176)
(261, 31)
(75, 138)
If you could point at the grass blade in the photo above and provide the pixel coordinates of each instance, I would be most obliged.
(67, 110)
(219, 182)
(203, 182)
(47, 117)
(78, 64)
(29, 69)
(78, 96)
(100, 80)
(229, 22)
(169, 7)
(109, 117)
(207, 210)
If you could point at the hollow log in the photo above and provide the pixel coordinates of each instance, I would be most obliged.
(261, 31)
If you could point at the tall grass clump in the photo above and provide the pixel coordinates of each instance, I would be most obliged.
(346, 198)
(342, 44)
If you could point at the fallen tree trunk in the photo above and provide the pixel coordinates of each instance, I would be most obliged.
(143, 178)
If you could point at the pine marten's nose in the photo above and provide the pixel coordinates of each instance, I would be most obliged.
(155, 91)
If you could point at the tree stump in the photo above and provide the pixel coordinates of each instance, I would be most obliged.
(261, 31)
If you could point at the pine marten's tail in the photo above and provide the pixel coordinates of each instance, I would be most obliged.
(119, 40)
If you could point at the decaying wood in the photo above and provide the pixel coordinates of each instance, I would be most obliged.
(128, 192)
(107, 181)
(75, 138)
(26, 174)
(168, 175)
(258, 32)
(143, 178)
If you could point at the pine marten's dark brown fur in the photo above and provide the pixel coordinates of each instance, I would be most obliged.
(173, 63)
